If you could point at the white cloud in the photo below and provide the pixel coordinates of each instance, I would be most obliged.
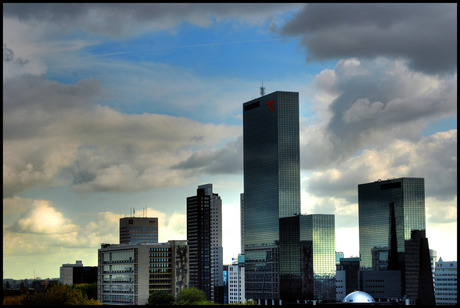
(42, 218)
(369, 103)
(433, 158)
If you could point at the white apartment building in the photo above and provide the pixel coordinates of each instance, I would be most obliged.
(236, 288)
(445, 282)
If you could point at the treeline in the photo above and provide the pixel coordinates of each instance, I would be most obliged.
(58, 294)
(189, 296)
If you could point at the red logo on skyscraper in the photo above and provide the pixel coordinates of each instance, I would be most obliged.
(271, 105)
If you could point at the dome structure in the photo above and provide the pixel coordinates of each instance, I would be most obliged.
(358, 297)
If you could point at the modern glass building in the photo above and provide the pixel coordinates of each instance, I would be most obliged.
(374, 200)
(318, 231)
(271, 185)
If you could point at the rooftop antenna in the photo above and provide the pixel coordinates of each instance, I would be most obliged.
(262, 89)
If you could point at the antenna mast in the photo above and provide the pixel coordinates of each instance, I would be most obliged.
(262, 89)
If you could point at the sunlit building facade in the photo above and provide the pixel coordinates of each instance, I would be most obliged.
(374, 199)
(271, 186)
(129, 273)
(319, 230)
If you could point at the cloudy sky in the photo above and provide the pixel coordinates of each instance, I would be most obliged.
(108, 107)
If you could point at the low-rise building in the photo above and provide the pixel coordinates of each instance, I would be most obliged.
(129, 273)
(77, 273)
(236, 285)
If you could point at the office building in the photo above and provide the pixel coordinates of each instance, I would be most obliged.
(445, 291)
(340, 284)
(236, 285)
(271, 188)
(374, 199)
(204, 235)
(338, 255)
(349, 267)
(418, 275)
(383, 286)
(242, 221)
(138, 230)
(77, 273)
(225, 272)
(317, 235)
(129, 273)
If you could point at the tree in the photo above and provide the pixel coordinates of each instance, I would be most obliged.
(190, 296)
(90, 289)
(59, 294)
(159, 297)
(13, 300)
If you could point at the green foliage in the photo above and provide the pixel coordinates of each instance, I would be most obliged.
(90, 289)
(159, 297)
(60, 294)
(190, 296)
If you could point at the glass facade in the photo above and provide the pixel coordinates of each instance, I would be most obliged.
(117, 276)
(374, 199)
(319, 230)
(271, 185)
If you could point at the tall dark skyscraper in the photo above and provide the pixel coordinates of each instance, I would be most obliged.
(406, 197)
(204, 236)
(271, 186)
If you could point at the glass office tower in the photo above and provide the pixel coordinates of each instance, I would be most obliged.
(319, 266)
(374, 199)
(271, 185)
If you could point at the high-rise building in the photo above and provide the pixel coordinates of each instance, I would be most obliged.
(242, 221)
(445, 290)
(138, 230)
(374, 206)
(271, 188)
(204, 235)
(129, 273)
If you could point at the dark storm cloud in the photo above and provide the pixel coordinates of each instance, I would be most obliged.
(120, 18)
(424, 34)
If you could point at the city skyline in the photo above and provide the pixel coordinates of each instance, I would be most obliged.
(109, 107)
